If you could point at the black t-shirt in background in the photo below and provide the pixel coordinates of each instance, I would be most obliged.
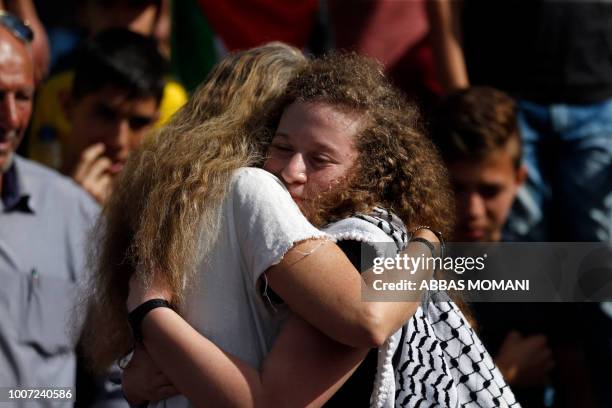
(540, 50)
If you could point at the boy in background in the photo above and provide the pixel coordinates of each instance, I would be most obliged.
(476, 132)
(477, 135)
(114, 100)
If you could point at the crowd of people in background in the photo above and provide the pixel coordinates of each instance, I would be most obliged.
(515, 99)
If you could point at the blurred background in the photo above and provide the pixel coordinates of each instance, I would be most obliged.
(483, 72)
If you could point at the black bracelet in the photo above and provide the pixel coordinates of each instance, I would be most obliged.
(427, 243)
(438, 235)
(136, 316)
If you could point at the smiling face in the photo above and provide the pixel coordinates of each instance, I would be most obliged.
(16, 92)
(313, 148)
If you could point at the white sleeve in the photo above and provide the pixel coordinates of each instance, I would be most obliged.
(267, 220)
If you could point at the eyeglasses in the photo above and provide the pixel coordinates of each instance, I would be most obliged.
(17, 27)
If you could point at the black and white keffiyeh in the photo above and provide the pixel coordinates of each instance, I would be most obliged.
(436, 359)
(440, 361)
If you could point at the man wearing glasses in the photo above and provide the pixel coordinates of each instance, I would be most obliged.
(44, 219)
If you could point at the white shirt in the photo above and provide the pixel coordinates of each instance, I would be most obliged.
(260, 223)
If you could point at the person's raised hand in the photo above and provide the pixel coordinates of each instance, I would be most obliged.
(525, 361)
(92, 172)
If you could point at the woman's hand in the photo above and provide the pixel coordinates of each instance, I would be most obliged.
(143, 381)
(140, 293)
(303, 369)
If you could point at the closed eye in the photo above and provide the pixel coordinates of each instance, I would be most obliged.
(321, 159)
(490, 191)
(282, 147)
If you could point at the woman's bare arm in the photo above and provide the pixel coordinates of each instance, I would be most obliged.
(326, 290)
(304, 368)
(446, 34)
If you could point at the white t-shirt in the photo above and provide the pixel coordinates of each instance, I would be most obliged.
(260, 223)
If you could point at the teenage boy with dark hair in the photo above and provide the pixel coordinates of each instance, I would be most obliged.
(118, 85)
(113, 101)
(476, 132)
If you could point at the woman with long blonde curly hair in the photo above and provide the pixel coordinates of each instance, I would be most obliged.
(171, 188)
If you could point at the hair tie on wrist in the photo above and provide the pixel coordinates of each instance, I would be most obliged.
(438, 235)
(136, 316)
(427, 243)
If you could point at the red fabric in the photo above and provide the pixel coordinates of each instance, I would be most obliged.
(248, 23)
(395, 33)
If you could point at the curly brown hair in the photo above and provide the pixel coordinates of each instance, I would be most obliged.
(398, 167)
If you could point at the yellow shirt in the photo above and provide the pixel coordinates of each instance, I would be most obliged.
(50, 132)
